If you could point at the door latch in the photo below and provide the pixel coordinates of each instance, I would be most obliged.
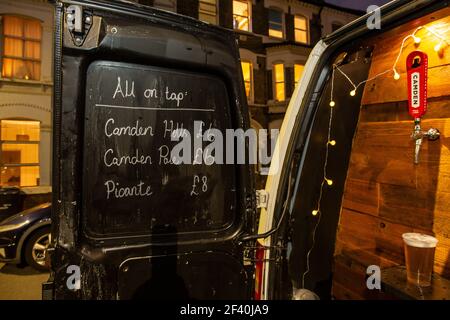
(262, 199)
(251, 254)
(79, 23)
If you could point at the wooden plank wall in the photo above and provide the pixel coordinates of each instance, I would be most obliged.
(387, 195)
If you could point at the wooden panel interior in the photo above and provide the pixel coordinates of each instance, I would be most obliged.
(387, 195)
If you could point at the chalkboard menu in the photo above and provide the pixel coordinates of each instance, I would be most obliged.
(131, 184)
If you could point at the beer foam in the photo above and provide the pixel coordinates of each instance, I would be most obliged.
(419, 240)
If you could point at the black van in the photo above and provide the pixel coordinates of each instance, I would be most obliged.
(127, 222)
(126, 77)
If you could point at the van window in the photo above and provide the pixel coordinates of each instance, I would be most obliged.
(130, 181)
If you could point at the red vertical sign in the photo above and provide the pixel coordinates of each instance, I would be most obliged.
(417, 68)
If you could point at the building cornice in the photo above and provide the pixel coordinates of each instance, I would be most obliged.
(308, 5)
(341, 10)
(27, 105)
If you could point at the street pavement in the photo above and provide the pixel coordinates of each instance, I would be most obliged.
(20, 283)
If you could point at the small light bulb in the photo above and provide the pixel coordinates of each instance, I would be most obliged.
(329, 182)
(332, 142)
(438, 47)
(353, 93)
(315, 212)
(417, 40)
(332, 103)
(396, 75)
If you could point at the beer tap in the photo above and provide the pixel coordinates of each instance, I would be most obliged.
(418, 135)
(417, 68)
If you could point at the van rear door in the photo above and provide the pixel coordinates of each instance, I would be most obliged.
(129, 220)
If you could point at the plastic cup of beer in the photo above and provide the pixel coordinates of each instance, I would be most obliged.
(419, 257)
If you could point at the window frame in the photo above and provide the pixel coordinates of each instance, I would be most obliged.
(304, 30)
(15, 142)
(249, 17)
(283, 31)
(275, 82)
(216, 16)
(23, 39)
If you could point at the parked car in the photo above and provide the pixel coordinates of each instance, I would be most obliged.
(14, 199)
(24, 237)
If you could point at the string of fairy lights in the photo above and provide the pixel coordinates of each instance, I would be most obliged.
(317, 212)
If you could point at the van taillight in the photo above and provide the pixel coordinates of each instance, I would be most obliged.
(259, 270)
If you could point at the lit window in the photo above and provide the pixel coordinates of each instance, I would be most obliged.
(168, 5)
(241, 15)
(21, 54)
(301, 29)
(207, 11)
(247, 73)
(19, 153)
(278, 70)
(298, 71)
(275, 23)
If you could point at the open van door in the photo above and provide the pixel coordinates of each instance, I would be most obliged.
(129, 222)
(298, 227)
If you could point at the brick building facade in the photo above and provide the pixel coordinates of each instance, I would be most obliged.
(26, 85)
(275, 39)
